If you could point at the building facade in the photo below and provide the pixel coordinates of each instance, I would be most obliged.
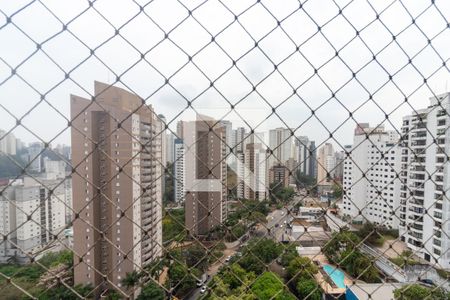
(45, 203)
(117, 189)
(179, 171)
(425, 187)
(326, 163)
(281, 146)
(370, 182)
(255, 186)
(205, 175)
(8, 144)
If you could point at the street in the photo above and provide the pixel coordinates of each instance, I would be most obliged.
(212, 270)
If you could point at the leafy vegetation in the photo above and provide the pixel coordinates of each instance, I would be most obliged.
(404, 259)
(418, 292)
(28, 278)
(280, 194)
(258, 254)
(173, 226)
(303, 180)
(337, 191)
(270, 286)
(341, 250)
(301, 268)
(151, 291)
(248, 213)
(308, 289)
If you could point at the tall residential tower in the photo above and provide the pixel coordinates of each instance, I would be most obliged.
(116, 149)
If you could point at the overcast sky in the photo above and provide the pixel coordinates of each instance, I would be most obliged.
(277, 26)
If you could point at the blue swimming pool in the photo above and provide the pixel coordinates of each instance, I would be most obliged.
(336, 275)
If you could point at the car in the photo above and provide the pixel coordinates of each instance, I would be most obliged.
(203, 289)
(282, 213)
(427, 282)
(276, 225)
(227, 259)
(281, 226)
(199, 283)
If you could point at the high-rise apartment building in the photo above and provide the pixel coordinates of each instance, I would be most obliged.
(237, 163)
(281, 144)
(34, 157)
(45, 203)
(425, 176)
(179, 171)
(205, 174)
(255, 185)
(7, 143)
(326, 162)
(370, 181)
(279, 174)
(170, 143)
(116, 146)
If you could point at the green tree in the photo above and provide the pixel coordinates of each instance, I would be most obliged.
(270, 286)
(301, 268)
(151, 291)
(257, 217)
(251, 263)
(304, 181)
(196, 256)
(337, 191)
(371, 234)
(173, 225)
(418, 292)
(266, 249)
(236, 232)
(308, 289)
(131, 279)
(342, 250)
(181, 279)
(288, 255)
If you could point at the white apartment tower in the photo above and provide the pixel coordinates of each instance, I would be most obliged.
(281, 143)
(370, 180)
(255, 172)
(425, 176)
(170, 143)
(179, 172)
(47, 210)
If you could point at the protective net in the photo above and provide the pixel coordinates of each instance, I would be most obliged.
(176, 149)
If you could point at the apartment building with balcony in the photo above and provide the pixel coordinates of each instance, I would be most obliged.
(117, 189)
(424, 192)
(370, 177)
(32, 217)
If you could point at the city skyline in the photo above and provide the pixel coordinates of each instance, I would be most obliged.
(144, 81)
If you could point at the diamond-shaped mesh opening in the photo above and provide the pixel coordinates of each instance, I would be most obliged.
(224, 150)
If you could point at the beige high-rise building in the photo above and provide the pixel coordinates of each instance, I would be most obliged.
(116, 149)
(205, 174)
(326, 163)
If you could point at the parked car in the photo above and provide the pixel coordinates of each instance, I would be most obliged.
(202, 280)
(427, 282)
(203, 289)
(227, 259)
